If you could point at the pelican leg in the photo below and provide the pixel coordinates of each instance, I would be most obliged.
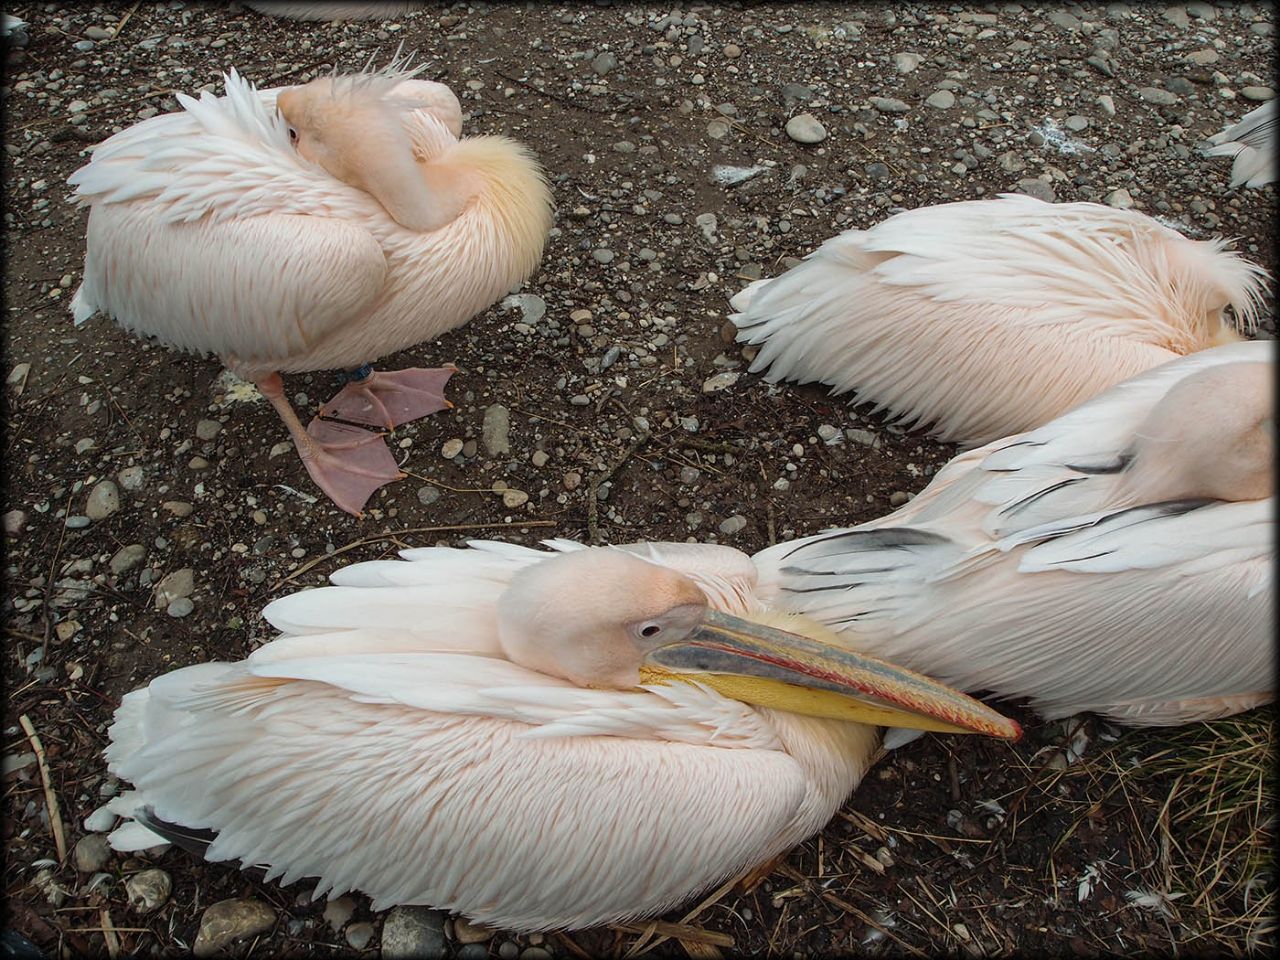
(388, 399)
(348, 463)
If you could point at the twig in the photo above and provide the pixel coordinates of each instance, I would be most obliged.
(50, 798)
(679, 931)
(848, 908)
(393, 534)
(593, 503)
(109, 934)
(115, 35)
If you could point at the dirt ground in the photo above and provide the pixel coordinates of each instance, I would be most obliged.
(951, 845)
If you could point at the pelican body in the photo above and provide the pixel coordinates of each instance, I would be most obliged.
(985, 318)
(1119, 559)
(349, 223)
(535, 739)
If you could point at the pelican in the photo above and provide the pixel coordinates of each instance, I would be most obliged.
(1251, 141)
(1116, 560)
(307, 228)
(986, 318)
(535, 739)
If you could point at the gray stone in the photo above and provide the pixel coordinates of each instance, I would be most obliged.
(898, 498)
(97, 33)
(230, 920)
(512, 498)
(796, 93)
(1201, 11)
(732, 525)
(496, 431)
(864, 437)
(451, 448)
(359, 935)
(906, 62)
(602, 255)
(1158, 96)
(104, 500)
(208, 429)
(889, 105)
(427, 495)
(179, 508)
(467, 932)
(604, 63)
(805, 128)
(132, 478)
(413, 933)
(1120, 199)
(828, 433)
(78, 522)
(1060, 18)
(91, 853)
(338, 912)
(1181, 86)
(14, 521)
(1258, 94)
(1107, 104)
(508, 950)
(472, 951)
(180, 583)
(180, 607)
(1076, 123)
(128, 557)
(1203, 57)
(720, 381)
(148, 891)
(941, 99)
(1034, 187)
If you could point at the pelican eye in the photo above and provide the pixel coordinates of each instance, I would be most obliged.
(293, 135)
(650, 630)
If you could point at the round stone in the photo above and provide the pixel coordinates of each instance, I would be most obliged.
(941, 100)
(805, 128)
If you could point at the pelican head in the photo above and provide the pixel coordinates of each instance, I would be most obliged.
(603, 617)
(353, 128)
(1211, 436)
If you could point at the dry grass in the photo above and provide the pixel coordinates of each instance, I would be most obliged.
(1212, 869)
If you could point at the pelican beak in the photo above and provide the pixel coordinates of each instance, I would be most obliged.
(762, 665)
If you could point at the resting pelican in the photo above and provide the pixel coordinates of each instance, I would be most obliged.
(533, 739)
(347, 224)
(1252, 141)
(985, 318)
(1117, 559)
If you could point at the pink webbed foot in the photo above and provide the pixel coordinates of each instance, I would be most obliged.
(388, 399)
(347, 463)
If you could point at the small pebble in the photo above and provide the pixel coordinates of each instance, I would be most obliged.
(104, 500)
(148, 891)
(451, 448)
(91, 853)
(898, 498)
(941, 100)
(359, 935)
(732, 525)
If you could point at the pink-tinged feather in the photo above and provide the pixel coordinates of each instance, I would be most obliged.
(1117, 559)
(985, 318)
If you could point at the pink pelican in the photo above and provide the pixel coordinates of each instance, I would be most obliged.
(533, 739)
(1252, 141)
(1118, 559)
(307, 228)
(986, 318)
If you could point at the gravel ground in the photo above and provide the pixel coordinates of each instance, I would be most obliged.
(154, 507)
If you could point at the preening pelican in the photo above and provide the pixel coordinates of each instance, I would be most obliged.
(1252, 141)
(347, 224)
(533, 739)
(1118, 559)
(985, 318)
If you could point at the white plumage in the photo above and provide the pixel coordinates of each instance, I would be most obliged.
(1118, 559)
(1252, 141)
(390, 741)
(985, 318)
